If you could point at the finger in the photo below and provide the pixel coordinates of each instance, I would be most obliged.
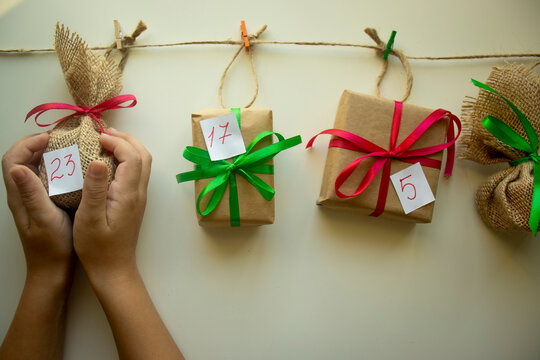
(94, 194)
(21, 153)
(32, 194)
(34, 162)
(128, 172)
(145, 154)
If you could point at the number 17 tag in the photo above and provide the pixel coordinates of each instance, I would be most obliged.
(63, 167)
(412, 188)
(223, 137)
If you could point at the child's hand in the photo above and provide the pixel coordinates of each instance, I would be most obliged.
(45, 230)
(107, 223)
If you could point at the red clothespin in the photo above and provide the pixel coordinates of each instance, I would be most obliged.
(118, 34)
(244, 35)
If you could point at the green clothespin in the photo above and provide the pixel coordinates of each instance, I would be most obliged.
(390, 44)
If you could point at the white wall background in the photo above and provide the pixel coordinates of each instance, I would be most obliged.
(318, 284)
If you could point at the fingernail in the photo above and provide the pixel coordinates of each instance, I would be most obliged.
(18, 175)
(112, 130)
(97, 171)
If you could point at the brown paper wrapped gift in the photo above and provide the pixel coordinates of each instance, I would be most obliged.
(254, 209)
(371, 118)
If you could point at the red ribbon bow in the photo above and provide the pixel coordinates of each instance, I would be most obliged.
(347, 140)
(93, 111)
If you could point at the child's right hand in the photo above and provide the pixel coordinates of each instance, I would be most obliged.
(107, 222)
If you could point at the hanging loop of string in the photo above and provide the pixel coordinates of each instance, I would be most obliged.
(252, 64)
(380, 50)
(127, 41)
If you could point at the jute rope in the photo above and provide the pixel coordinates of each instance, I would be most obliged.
(127, 42)
(380, 49)
(250, 54)
(275, 42)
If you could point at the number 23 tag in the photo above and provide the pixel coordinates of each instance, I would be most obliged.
(63, 167)
(412, 188)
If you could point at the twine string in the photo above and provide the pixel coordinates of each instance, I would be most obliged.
(380, 50)
(252, 64)
(276, 42)
(127, 43)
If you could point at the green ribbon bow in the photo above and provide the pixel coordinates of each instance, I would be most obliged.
(508, 136)
(246, 165)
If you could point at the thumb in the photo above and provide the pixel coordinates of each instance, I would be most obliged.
(94, 193)
(31, 191)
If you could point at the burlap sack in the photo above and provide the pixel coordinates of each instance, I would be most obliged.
(91, 79)
(504, 199)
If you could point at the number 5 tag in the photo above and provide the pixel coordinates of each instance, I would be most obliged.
(63, 168)
(412, 188)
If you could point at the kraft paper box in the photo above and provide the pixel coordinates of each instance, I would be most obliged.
(371, 118)
(254, 209)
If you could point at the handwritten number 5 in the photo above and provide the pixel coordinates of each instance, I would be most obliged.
(403, 186)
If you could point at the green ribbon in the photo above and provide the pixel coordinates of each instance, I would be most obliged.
(508, 136)
(246, 165)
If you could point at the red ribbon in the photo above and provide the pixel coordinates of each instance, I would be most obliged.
(346, 140)
(93, 111)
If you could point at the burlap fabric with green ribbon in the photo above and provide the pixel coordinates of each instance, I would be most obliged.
(502, 125)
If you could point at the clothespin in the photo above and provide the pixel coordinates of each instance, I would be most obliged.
(244, 35)
(389, 44)
(118, 34)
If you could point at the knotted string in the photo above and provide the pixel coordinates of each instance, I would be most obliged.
(380, 50)
(126, 42)
(250, 55)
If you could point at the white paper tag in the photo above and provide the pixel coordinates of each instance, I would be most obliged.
(412, 188)
(63, 168)
(223, 137)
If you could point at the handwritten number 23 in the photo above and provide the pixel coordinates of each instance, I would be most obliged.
(68, 162)
(403, 186)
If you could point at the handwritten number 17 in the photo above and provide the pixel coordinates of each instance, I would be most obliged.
(211, 136)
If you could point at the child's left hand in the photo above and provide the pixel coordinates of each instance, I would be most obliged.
(45, 230)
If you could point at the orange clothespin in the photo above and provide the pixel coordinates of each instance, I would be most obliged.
(118, 34)
(244, 35)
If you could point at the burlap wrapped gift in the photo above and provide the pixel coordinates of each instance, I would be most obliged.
(371, 118)
(91, 79)
(504, 199)
(254, 209)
